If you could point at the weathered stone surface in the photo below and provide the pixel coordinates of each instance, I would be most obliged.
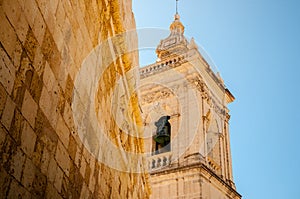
(42, 46)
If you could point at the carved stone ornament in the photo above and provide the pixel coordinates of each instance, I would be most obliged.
(155, 96)
(200, 85)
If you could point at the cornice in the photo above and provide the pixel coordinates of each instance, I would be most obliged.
(161, 66)
(197, 165)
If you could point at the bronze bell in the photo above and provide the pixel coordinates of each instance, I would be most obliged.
(163, 130)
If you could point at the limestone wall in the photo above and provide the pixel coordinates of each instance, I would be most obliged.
(43, 46)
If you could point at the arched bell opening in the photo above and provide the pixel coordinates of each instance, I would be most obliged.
(162, 138)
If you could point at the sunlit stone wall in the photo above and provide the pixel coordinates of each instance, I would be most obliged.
(45, 151)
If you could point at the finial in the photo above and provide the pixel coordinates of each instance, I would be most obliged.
(177, 17)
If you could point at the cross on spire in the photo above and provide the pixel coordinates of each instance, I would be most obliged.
(176, 6)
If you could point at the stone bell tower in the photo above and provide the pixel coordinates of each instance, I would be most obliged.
(186, 120)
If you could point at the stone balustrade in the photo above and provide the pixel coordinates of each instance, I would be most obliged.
(159, 161)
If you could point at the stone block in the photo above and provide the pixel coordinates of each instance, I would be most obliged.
(15, 166)
(77, 180)
(49, 138)
(51, 192)
(12, 10)
(3, 96)
(28, 139)
(17, 191)
(39, 28)
(21, 28)
(8, 37)
(72, 148)
(9, 147)
(87, 174)
(16, 126)
(86, 154)
(49, 78)
(23, 80)
(40, 122)
(38, 152)
(16, 56)
(68, 89)
(68, 117)
(48, 106)
(30, 11)
(36, 87)
(30, 44)
(67, 31)
(8, 113)
(47, 45)
(63, 132)
(55, 62)
(45, 161)
(7, 72)
(43, 5)
(58, 179)
(39, 185)
(39, 62)
(3, 134)
(62, 158)
(5, 181)
(53, 6)
(61, 103)
(28, 174)
(78, 157)
(84, 191)
(65, 187)
(58, 38)
(52, 170)
(82, 167)
(92, 184)
(29, 108)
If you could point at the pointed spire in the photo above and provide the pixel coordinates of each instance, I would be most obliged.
(176, 6)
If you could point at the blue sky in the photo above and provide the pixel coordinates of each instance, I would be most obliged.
(256, 47)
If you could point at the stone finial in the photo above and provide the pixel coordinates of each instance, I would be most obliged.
(177, 26)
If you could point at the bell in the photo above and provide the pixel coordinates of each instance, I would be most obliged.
(162, 136)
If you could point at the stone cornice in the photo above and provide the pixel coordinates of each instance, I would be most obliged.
(198, 165)
(162, 66)
(176, 61)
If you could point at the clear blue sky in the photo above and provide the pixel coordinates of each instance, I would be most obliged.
(256, 47)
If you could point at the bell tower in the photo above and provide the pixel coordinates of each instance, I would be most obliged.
(186, 122)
